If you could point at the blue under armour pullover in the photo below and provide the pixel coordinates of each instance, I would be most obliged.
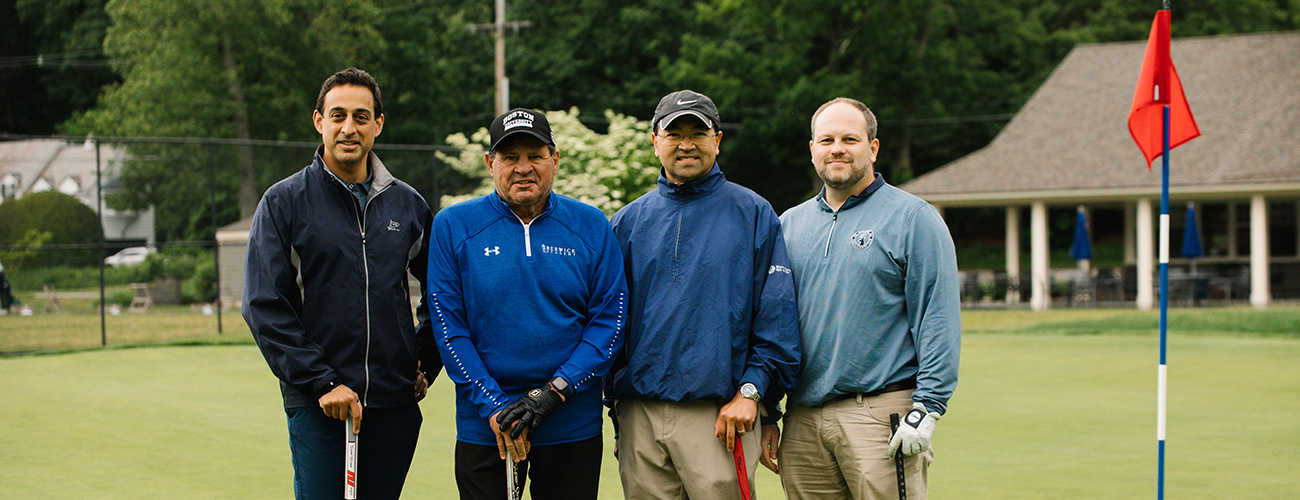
(712, 303)
(515, 305)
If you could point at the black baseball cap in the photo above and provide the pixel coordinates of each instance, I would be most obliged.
(521, 120)
(685, 102)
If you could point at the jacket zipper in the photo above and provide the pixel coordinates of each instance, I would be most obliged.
(365, 265)
(528, 241)
(834, 216)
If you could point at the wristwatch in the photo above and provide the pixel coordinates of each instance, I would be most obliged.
(562, 387)
(748, 391)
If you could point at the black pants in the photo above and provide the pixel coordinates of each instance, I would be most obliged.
(6, 293)
(569, 471)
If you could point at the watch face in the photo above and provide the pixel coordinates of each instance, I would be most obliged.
(748, 391)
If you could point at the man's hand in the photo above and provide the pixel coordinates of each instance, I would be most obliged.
(518, 446)
(735, 419)
(769, 446)
(339, 402)
(914, 433)
(421, 383)
(529, 411)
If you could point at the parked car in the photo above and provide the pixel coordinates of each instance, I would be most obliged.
(129, 256)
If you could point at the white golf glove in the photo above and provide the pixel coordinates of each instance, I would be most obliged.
(914, 432)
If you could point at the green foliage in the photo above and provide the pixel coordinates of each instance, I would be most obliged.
(68, 278)
(120, 297)
(606, 170)
(67, 220)
(201, 285)
(942, 75)
(54, 62)
(33, 240)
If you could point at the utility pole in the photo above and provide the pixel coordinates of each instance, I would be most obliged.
(499, 30)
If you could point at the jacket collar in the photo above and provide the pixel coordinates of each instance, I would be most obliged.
(692, 189)
(498, 204)
(380, 177)
(854, 200)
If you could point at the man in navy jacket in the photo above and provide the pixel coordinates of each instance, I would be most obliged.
(527, 289)
(327, 298)
(712, 329)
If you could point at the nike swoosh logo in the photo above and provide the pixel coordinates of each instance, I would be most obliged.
(683, 103)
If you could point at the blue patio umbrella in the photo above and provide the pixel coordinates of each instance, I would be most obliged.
(1082, 248)
(1191, 235)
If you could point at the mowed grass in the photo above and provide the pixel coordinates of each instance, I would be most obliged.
(1059, 404)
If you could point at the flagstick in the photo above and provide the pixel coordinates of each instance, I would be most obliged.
(1162, 377)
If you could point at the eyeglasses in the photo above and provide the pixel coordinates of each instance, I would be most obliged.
(675, 138)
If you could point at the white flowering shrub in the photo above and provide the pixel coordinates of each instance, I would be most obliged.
(606, 171)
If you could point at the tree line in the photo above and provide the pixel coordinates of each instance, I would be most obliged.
(943, 76)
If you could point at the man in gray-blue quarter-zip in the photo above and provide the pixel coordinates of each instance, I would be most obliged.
(327, 299)
(879, 322)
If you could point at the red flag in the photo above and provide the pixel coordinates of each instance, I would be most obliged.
(1158, 85)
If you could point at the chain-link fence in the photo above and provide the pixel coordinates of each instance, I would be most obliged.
(152, 249)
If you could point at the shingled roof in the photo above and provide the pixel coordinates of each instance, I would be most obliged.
(1071, 142)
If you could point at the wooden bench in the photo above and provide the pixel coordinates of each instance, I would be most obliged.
(52, 304)
(141, 301)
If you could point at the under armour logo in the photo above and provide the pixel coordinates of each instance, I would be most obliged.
(491, 251)
(394, 226)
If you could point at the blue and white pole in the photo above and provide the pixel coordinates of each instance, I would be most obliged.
(1162, 377)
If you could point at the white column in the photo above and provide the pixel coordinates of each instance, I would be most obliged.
(1040, 296)
(1145, 254)
(1013, 254)
(1258, 251)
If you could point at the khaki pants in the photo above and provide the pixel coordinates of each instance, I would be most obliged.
(668, 451)
(839, 450)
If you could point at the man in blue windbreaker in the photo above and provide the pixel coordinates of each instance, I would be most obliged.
(712, 331)
(327, 298)
(527, 289)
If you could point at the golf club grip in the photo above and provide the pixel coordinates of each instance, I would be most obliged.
(350, 463)
(898, 459)
(742, 471)
(512, 480)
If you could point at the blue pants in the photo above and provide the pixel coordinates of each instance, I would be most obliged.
(386, 445)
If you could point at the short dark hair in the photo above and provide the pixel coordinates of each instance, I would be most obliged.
(350, 76)
(866, 113)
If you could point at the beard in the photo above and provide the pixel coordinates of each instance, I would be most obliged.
(845, 180)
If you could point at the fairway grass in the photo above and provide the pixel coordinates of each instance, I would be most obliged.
(1049, 405)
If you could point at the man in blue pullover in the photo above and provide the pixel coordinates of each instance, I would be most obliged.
(712, 327)
(880, 321)
(527, 289)
(327, 299)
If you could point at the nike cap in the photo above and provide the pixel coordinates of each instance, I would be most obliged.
(520, 120)
(685, 102)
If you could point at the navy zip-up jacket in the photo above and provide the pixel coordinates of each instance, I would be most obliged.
(713, 301)
(326, 292)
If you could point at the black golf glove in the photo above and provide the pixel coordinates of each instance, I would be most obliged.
(529, 411)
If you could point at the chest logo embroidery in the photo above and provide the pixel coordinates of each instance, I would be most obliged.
(393, 225)
(491, 251)
(558, 250)
(862, 239)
